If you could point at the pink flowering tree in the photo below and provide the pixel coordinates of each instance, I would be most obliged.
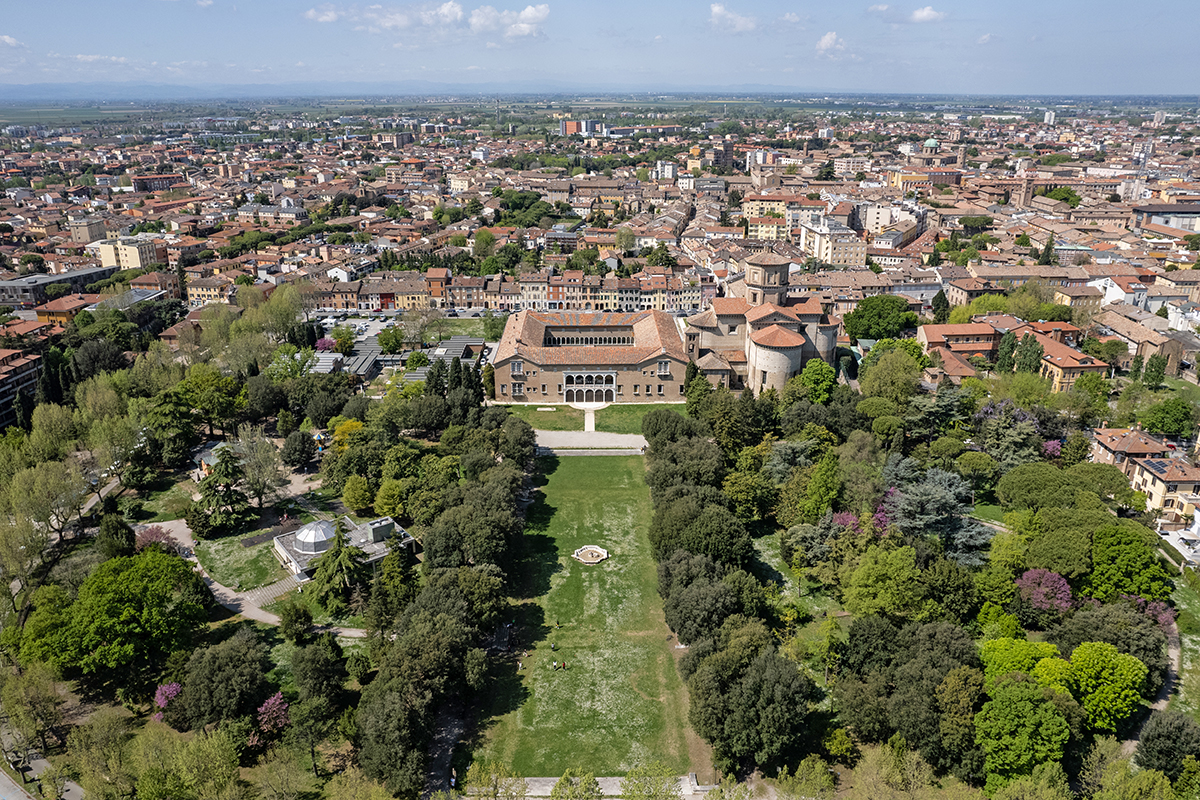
(163, 695)
(272, 718)
(1045, 597)
(325, 344)
(153, 535)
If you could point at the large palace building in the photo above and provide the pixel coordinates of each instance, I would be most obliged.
(590, 357)
(758, 340)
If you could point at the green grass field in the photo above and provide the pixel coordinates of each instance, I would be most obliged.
(990, 512)
(1187, 690)
(562, 418)
(239, 567)
(620, 701)
(445, 328)
(627, 417)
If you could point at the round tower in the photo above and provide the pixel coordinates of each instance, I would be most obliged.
(766, 279)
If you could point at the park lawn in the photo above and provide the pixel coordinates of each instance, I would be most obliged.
(170, 503)
(1187, 690)
(989, 512)
(627, 417)
(445, 328)
(1180, 388)
(240, 568)
(320, 615)
(620, 701)
(562, 418)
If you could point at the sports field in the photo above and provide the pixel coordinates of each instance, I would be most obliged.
(620, 700)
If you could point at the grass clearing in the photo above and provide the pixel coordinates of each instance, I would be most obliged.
(990, 512)
(1187, 690)
(459, 326)
(627, 417)
(239, 567)
(169, 503)
(562, 418)
(320, 616)
(620, 701)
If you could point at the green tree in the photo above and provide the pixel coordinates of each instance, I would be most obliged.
(336, 572)
(356, 494)
(819, 378)
(1166, 739)
(262, 467)
(1019, 728)
(1155, 373)
(1123, 562)
(1005, 353)
(298, 449)
(650, 781)
(941, 307)
(485, 243)
(886, 583)
(1108, 683)
(222, 507)
(883, 316)
(1048, 256)
(894, 377)
(1135, 368)
(823, 488)
(131, 613)
(1172, 417)
(115, 538)
(1028, 356)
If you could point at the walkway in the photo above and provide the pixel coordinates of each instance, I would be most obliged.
(1174, 658)
(590, 442)
(249, 603)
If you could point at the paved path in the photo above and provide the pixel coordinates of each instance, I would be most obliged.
(611, 787)
(1174, 658)
(249, 603)
(590, 440)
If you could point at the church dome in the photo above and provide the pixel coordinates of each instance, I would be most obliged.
(315, 537)
(932, 143)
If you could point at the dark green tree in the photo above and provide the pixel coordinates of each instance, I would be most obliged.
(1155, 373)
(1028, 357)
(941, 307)
(1005, 353)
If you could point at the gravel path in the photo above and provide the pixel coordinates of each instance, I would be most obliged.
(249, 604)
(590, 440)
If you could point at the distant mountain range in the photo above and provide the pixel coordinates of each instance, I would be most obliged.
(124, 92)
(112, 92)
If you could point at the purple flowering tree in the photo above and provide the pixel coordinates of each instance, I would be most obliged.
(1045, 591)
(154, 534)
(272, 719)
(326, 344)
(163, 695)
(1052, 448)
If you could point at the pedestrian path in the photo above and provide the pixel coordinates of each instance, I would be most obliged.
(590, 440)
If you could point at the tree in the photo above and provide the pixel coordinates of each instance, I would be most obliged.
(978, 468)
(941, 307)
(819, 378)
(883, 316)
(1048, 255)
(336, 572)
(485, 242)
(1155, 373)
(1028, 356)
(131, 613)
(895, 377)
(1172, 417)
(51, 494)
(1135, 367)
(1166, 739)
(216, 398)
(115, 538)
(1004, 356)
(625, 240)
(318, 672)
(262, 467)
(650, 781)
(356, 494)
(353, 784)
(222, 507)
(886, 583)
(1108, 683)
(298, 449)
(1124, 563)
(224, 682)
(1018, 729)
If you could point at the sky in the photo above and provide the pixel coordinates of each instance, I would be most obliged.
(1043, 47)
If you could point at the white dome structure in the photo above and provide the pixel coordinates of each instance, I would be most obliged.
(315, 537)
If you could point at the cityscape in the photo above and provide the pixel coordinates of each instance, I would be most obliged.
(747, 402)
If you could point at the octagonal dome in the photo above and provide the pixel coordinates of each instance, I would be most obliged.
(315, 537)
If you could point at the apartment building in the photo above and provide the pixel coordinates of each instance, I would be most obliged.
(18, 375)
(1122, 447)
(1169, 484)
(832, 243)
(131, 252)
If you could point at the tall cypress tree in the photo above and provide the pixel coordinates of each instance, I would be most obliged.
(941, 307)
(1004, 358)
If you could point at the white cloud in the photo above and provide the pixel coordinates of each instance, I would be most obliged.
(927, 14)
(445, 14)
(877, 9)
(93, 58)
(324, 14)
(514, 24)
(379, 18)
(830, 44)
(987, 37)
(726, 19)
(793, 19)
(204, 3)
(10, 41)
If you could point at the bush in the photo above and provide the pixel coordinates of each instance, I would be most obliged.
(294, 622)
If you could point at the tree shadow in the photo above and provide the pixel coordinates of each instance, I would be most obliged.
(506, 691)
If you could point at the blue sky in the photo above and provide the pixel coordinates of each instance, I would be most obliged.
(1016, 46)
